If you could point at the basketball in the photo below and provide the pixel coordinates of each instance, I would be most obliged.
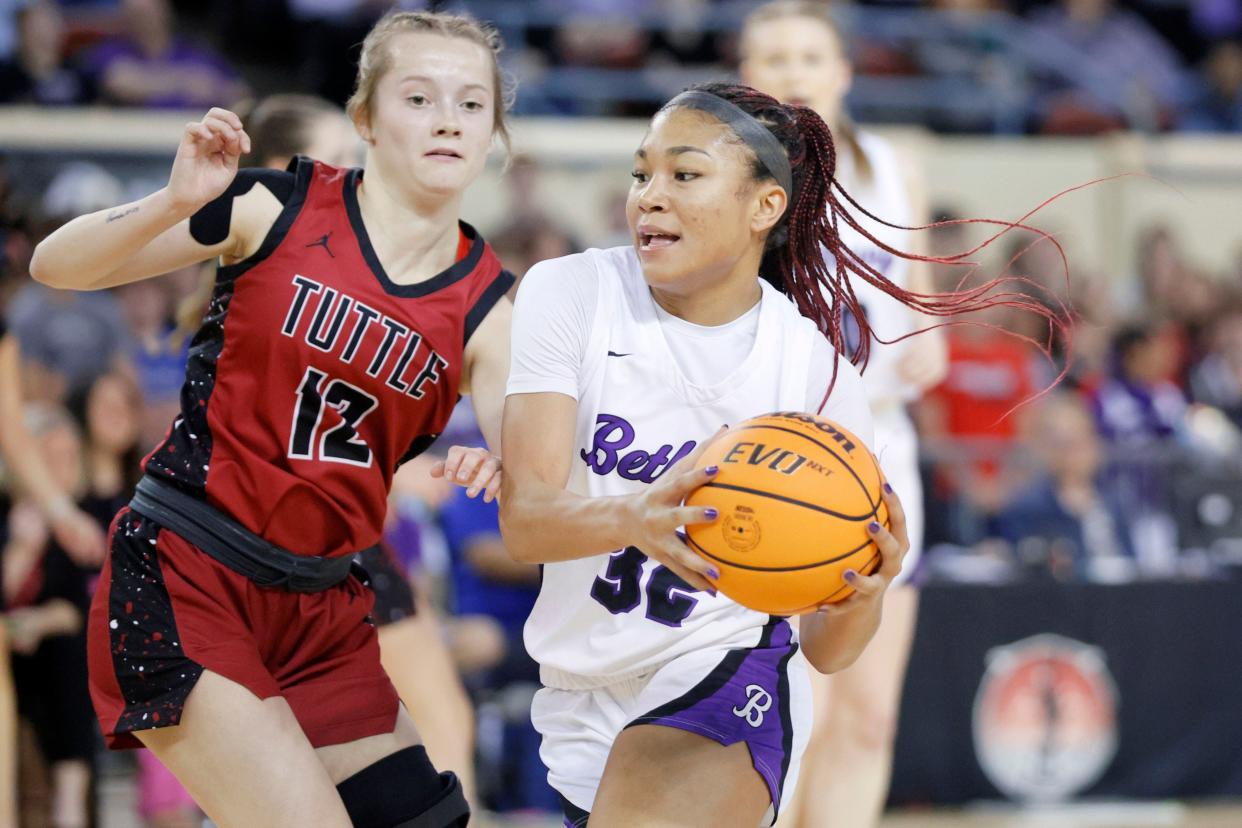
(795, 494)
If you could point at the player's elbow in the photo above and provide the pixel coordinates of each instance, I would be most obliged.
(828, 651)
(49, 268)
(43, 271)
(516, 530)
(831, 662)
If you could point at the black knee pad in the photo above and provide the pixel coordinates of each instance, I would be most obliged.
(404, 791)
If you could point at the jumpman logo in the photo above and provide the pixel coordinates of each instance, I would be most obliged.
(758, 702)
(323, 242)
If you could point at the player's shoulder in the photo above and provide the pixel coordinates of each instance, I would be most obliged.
(793, 318)
(578, 271)
(876, 147)
(284, 184)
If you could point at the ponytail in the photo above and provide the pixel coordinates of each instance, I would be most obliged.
(806, 259)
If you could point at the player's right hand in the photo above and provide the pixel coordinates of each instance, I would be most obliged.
(207, 157)
(658, 512)
(472, 467)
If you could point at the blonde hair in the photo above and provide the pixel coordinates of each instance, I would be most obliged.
(820, 12)
(781, 9)
(376, 59)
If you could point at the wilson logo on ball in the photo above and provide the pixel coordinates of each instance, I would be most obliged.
(842, 439)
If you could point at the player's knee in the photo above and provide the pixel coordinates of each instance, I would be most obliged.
(871, 731)
(855, 724)
(403, 790)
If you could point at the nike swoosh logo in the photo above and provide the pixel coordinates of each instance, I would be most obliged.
(614, 353)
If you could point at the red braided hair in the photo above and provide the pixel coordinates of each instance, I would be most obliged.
(806, 259)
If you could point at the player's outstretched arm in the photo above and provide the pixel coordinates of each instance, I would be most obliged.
(151, 236)
(542, 522)
(834, 635)
(484, 377)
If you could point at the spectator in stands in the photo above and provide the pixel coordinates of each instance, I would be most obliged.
(1162, 267)
(1081, 522)
(1217, 105)
(108, 414)
(1179, 301)
(1090, 295)
(148, 65)
(1138, 406)
(1125, 72)
(1217, 379)
(68, 338)
(38, 73)
(1141, 415)
(963, 423)
(45, 600)
(158, 357)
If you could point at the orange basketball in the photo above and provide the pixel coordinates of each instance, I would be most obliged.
(795, 494)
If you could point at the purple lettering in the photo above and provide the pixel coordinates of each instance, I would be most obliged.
(603, 455)
(613, 435)
(632, 464)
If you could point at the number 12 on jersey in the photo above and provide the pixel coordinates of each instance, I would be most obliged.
(619, 589)
(340, 443)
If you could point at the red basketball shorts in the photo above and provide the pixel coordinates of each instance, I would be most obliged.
(165, 611)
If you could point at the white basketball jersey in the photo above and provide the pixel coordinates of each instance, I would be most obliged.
(605, 618)
(883, 193)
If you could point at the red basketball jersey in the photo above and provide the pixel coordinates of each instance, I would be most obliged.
(314, 375)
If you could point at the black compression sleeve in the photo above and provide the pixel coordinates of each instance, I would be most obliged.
(210, 225)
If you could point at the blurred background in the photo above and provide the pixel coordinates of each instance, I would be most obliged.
(1071, 666)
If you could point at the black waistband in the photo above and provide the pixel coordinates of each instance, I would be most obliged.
(234, 545)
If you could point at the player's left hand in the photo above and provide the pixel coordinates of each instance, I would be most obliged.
(893, 543)
(472, 467)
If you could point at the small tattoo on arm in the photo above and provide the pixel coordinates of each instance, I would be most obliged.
(119, 214)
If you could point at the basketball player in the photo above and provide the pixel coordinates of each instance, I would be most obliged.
(792, 50)
(353, 306)
(412, 646)
(664, 702)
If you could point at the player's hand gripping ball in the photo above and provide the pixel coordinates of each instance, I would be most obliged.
(795, 494)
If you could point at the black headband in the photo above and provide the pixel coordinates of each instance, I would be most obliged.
(758, 137)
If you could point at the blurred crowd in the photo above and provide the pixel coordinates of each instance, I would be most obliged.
(1046, 66)
(1126, 468)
